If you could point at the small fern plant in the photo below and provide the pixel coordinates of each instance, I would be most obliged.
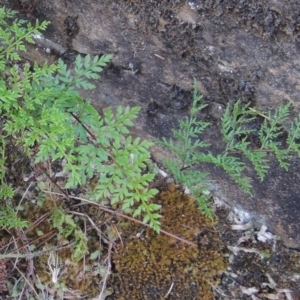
(67, 227)
(42, 112)
(186, 146)
(236, 134)
(191, 152)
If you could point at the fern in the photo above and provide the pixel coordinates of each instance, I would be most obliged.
(257, 158)
(190, 149)
(67, 227)
(236, 134)
(44, 114)
(8, 217)
(233, 121)
(84, 68)
(13, 36)
(269, 134)
(186, 146)
(271, 130)
(294, 136)
(272, 126)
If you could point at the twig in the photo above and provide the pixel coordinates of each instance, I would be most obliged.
(40, 284)
(91, 221)
(159, 56)
(125, 217)
(84, 126)
(35, 254)
(53, 182)
(169, 291)
(31, 183)
(31, 242)
(116, 229)
(28, 282)
(101, 234)
(216, 289)
(104, 281)
(84, 255)
(258, 113)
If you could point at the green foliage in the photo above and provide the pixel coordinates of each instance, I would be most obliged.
(271, 130)
(13, 36)
(44, 114)
(186, 146)
(6, 191)
(270, 135)
(8, 217)
(236, 130)
(67, 227)
(235, 135)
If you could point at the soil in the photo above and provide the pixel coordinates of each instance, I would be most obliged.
(244, 49)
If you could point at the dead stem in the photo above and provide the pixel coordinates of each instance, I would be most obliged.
(35, 254)
(259, 113)
(28, 282)
(108, 271)
(125, 217)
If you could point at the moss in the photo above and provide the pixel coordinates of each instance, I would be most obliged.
(148, 266)
(75, 279)
(81, 278)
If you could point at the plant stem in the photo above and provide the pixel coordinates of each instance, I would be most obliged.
(124, 216)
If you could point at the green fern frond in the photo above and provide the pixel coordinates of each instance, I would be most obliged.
(258, 160)
(272, 126)
(67, 227)
(294, 136)
(233, 121)
(9, 218)
(44, 110)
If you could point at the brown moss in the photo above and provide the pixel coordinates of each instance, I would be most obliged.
(148, 266)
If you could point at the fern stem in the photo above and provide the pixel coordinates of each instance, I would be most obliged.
(266, 138)
(83, 125)
(21, 38)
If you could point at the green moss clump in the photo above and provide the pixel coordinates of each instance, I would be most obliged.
(149, 265)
